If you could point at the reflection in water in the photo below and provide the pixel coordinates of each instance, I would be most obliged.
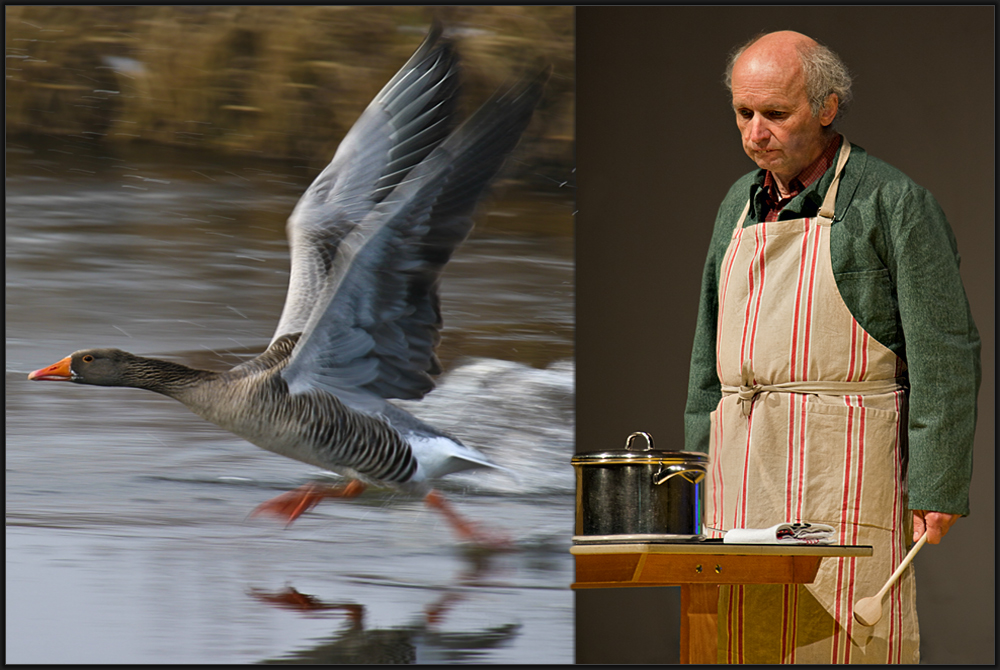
(420, 641)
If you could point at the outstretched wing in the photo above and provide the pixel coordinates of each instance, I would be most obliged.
(409, 117)
(380, 321)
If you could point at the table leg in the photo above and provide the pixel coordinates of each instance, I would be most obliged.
(699, 623)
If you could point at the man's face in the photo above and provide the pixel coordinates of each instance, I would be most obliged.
(777, 126)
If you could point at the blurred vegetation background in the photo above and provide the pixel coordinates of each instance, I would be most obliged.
(267, 81)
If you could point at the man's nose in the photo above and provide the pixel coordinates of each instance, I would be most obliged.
(757, 130)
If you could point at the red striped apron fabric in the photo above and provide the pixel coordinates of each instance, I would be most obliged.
(803, 456)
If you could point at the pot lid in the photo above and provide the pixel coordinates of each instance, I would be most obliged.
(633, 453)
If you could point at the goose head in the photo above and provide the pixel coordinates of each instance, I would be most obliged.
(101, 367)
(114, 367)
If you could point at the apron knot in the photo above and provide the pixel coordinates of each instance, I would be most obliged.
(748, 389)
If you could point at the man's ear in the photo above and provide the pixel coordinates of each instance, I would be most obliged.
(828, 112)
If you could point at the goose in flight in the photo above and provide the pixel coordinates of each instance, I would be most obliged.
(362, 318)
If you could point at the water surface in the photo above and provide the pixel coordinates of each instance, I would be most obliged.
(127, 532)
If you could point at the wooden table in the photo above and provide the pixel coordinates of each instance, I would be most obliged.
(699, 568)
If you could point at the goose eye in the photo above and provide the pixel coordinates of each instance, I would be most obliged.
(88, 358)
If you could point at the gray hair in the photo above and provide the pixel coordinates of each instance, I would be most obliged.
(824, 70)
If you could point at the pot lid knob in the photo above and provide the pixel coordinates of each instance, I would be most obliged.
(631, 438)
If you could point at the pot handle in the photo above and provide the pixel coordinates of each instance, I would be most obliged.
(631, 438)
(693, 476)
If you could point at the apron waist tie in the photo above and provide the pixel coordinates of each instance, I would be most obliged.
(748, 389)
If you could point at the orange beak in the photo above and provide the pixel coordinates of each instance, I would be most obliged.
(57, 372)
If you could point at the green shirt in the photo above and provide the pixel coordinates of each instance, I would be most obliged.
(896, 262)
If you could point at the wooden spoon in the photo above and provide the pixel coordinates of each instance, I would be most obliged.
(868, 611)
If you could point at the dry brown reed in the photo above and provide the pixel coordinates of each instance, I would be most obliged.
(272, 81)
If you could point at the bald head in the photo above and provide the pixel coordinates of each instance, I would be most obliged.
(782, 49)
(780, 41)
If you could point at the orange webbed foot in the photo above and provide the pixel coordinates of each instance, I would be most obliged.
(469, 531)
(290, 506)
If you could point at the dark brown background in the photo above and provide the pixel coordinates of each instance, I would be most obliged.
(658, 149)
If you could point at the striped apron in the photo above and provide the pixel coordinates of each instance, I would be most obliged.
(811, 427)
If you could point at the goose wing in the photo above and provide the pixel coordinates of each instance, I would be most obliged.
(374, 332)
(410, 116)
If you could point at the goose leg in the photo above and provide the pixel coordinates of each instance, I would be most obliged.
(467, 530)
(290, 506)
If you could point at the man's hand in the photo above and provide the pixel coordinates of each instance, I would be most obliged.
(935, 523)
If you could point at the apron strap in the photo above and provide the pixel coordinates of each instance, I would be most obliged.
(748, 389)
(743, 217)
(827, 209)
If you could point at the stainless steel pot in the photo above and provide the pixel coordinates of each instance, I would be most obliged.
(639, 493)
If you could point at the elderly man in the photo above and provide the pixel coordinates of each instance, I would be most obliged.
(835, 365)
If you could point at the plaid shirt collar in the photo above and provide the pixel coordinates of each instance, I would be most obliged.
(773, 202)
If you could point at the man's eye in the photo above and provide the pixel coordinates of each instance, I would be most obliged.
(775, 115)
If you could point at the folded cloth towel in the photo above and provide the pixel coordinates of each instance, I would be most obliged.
(783, 533)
